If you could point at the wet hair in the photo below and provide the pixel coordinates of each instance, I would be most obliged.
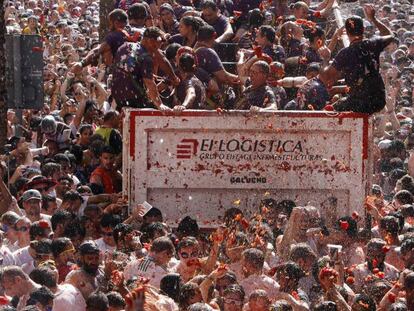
(235, 289)
(187, 63)
(301, 251)
(268, 32)
(209, 4)
(10, 218)
(256, 18)
(46, 199)
(292, 270)
(12, 272)
(151, 230)
(400, 218)
(404, 197)
(118, 15)
(389, 224)
(313, 33)
(44, 276)
(72, 196)
(354, 26)
(59, 245)
(171, 284)
(42, 295)
(193, 22)
(255, 257)
(75, 229)
(107, 149)
(153, 212)
(110, 115)
(409, 281)
(60, 217)
(188, 227)
(162, 244)
(264, 67)
(313, 67)
(259, 293)
(85, 127)
(407, 183)
(115, 300)
(407, 245)
(37, 229)
(110, 220)
(121, 230)
(97, 301)
(138, 11)
(50, 168)
(206, 33)
(187, 291)
(171, 51)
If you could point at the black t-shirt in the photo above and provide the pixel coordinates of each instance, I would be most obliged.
(350, 60)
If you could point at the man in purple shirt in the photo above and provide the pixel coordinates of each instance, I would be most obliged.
(208, 58)
(359, 65)
(133, 82)
(220, 23)
(118, 20)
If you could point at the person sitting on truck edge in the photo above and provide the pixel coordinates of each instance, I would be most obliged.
(359, 65)
(105, 175)
(259, 95)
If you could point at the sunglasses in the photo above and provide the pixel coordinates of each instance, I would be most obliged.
(109, 234)
(22, 229)
(233, 301)
(187, 255)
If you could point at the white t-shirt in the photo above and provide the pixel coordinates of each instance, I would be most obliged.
(7, 258)
(68, 297)
(22, 256)
(146, 268)
(103, 247)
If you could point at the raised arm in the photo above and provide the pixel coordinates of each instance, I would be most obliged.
(369, 11)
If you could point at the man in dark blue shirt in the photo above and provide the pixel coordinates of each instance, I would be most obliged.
(359, 65)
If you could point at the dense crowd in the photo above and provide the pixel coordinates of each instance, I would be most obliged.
(69, 238)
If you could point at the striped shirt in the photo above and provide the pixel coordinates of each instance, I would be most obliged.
(146, 268)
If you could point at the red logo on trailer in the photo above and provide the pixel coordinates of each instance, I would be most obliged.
(186, 148)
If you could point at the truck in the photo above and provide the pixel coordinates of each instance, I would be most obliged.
(201, 163)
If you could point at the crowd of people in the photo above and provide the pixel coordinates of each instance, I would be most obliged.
(69, 240)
